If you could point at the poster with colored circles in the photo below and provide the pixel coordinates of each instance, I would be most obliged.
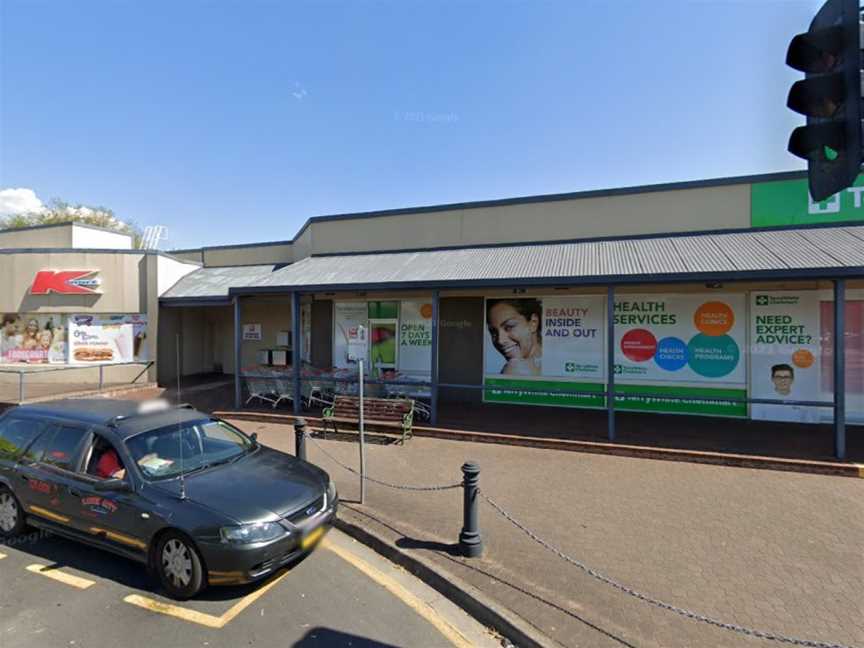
(680, 338)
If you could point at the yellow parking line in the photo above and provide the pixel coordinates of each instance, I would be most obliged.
(175, 610)
(861, 471)
(2, 556)
(199, 617)
(68, 579)
(418, 605)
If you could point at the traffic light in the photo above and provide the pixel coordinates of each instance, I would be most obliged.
(829, 96)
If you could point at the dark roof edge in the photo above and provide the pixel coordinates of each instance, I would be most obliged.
(606, 239)
(591, 193)
(799, 274)
(177, 302)
(30, 228)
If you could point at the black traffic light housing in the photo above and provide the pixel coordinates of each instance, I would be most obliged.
(829, 96)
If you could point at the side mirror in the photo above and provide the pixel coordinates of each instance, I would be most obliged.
(113, 485)
(254, 437)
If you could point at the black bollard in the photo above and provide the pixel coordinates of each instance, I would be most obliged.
(470, 542)
(300, 438)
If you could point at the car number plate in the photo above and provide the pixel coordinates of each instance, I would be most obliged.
(313, 537)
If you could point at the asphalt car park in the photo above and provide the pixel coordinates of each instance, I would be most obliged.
(343, 594)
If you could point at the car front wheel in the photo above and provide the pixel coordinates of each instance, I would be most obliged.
(11, 515)
(179, 566)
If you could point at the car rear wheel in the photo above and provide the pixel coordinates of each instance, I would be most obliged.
(179, 566)
(11, 515)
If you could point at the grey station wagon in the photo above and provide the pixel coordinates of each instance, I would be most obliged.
(188, 495)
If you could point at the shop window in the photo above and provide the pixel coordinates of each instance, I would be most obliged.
(854, 340)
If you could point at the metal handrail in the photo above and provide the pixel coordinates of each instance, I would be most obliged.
(36, 371)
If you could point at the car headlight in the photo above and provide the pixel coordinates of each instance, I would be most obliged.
(250, 533)
(331, 492)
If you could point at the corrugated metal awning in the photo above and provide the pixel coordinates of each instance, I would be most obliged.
(212, 284)
(783, 253)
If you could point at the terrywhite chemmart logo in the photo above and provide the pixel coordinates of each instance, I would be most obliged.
(834, 204)
(777, 300)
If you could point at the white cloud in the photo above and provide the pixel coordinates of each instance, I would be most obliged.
(17, 201)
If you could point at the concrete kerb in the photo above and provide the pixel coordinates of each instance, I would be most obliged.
(505, 622)
(596, 447)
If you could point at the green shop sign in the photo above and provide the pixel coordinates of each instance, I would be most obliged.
(660, 398)
(788, 202)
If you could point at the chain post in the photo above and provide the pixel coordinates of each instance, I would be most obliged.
(300, 438)
(470, 541)
(101, 375)
(20, 387)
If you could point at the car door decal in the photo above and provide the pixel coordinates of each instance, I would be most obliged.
(97, 506)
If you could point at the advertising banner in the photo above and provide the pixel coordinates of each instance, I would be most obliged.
(680, 338)
(32, 338)
(665, 345)
(785, 354)
(107, 338)
(695, 341)
(349, 340)
(540, 350)
(415, 337)
(788, 202)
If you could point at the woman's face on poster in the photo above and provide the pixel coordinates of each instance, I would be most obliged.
(32, 328)
(512, 334)
(10, 328)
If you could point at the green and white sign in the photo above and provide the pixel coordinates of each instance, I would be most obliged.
(788, 202)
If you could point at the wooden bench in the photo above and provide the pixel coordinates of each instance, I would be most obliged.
(380, 412)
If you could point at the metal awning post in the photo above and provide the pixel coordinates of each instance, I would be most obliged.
(295, 351)
(610, 361)
(840, 368)
(433, 390)
(238, 339)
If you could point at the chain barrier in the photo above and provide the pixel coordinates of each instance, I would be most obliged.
(770, 636)
(378, 481)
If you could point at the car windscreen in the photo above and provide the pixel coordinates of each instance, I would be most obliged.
(187, 447)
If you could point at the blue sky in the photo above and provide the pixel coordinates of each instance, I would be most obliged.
(234, 122)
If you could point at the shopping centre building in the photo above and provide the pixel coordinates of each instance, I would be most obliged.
(718, 298)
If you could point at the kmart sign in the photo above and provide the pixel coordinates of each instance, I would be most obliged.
(788, 202)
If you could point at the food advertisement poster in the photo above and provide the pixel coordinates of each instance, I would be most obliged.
(544, 350)
(107, 338)
(33, 339)
(785, 354)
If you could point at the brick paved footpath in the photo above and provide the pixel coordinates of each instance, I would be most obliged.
(782, 552)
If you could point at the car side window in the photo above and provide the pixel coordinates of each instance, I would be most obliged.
(16, 434)
(59, 446)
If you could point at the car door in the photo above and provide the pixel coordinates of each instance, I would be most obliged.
(47, 469)
(116, 517)
(16, 434)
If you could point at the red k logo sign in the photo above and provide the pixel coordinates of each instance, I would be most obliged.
(65, 282)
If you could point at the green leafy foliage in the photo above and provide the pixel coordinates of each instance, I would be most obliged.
(58, 211)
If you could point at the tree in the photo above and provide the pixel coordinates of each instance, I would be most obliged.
(58, 211)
